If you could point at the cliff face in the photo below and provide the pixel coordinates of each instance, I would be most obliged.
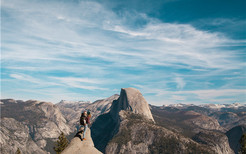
(229, 120)
(131, 100)
(202, 121)
(138, 135)
(15, 135)
(77, 146)
(124, 124)
(130, 128)
(234, 136)
(42, 121)
(201, 128)
(107, 125)
(215, 140)
(228, 115)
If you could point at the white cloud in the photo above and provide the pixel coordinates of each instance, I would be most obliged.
(174, 43)
(166, 96)
(73, 79)
(24, 77)
(86, 39)
(71, 82)
(79, 82)
(180, 83)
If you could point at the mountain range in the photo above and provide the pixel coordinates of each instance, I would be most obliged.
(124, 123)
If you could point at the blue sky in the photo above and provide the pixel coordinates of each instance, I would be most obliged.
(173, 51)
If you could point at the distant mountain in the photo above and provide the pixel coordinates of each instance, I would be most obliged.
(205, 124)
(183, 121)
(124, 123)
(226, 107)
(220, 107)
(72, 110)
(228, 115)
(41, 123)
(199, 127)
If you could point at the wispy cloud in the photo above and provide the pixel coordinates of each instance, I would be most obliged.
(79, 82)
(175, 43)
(165, 95)
(180, 83)
(24, 78)
(73, 79)
(84, 45)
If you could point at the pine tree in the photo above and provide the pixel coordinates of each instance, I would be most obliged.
(61, 143)
(243, 144)
(18, 151)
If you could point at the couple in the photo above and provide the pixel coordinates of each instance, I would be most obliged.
(84, 121)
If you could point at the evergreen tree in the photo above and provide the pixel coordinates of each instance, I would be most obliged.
(61, 143)
(18, 151)
(243, 144)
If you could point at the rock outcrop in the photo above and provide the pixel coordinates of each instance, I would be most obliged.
(138, 135)
(130, 128)
(202, 121)
(13, 135)
(201, 128)
(215, 140)
(77, 146)
(43, 120)
(234, 136)
(122, 124)
(107, 125)
(131, 100)
(229, 120)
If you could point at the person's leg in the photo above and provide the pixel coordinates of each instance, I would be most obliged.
(80, 131)
(78, 128)
(85, 127)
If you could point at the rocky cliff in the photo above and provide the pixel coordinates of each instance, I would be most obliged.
(234, 136)
(131, 100)
(77, 146)
(15, 135)
(107, 125)
(201, 121)
(228, 115)
(228, 120)
(43, 121)
(200, 127)
(215, 140)
(123, 124)
(138, 135)
(130, 128)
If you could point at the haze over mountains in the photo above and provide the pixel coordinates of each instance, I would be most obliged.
(124, 123)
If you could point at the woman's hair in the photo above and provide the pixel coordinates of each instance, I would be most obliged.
(83, 112)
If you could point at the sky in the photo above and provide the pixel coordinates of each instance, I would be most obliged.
(173, 51)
